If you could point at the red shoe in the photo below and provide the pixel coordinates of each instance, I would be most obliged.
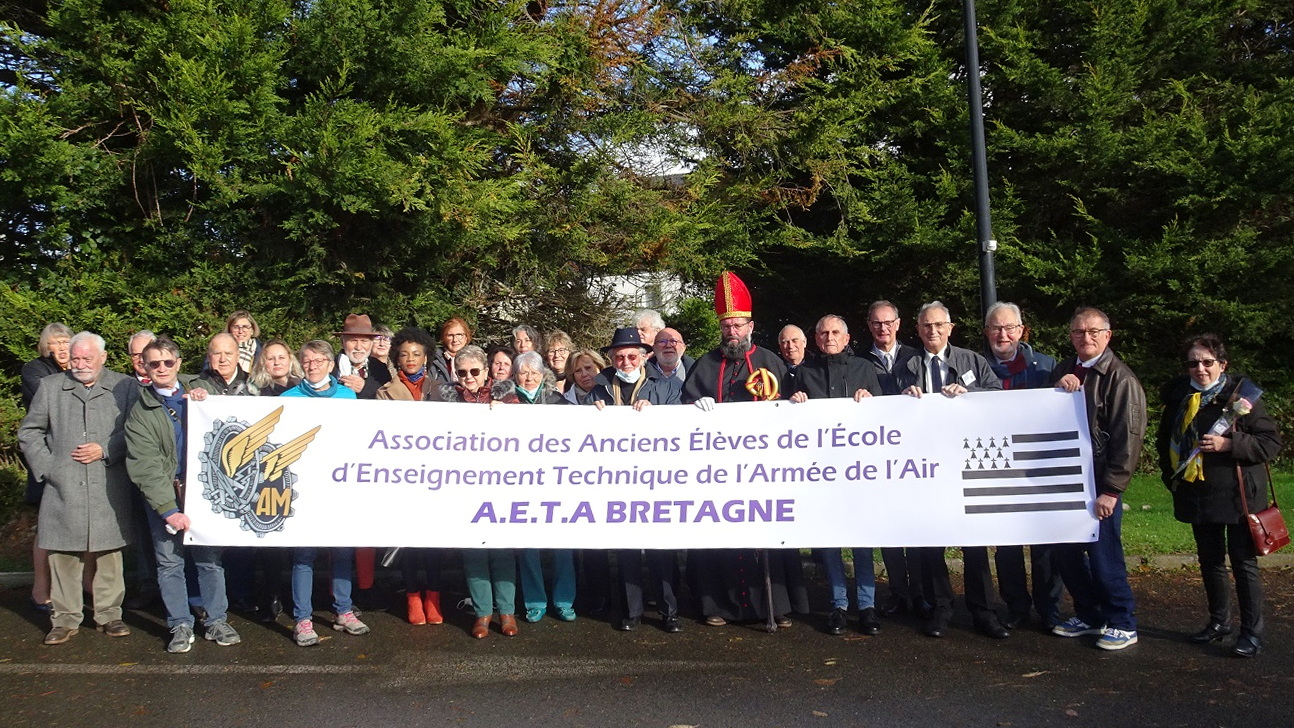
(416, 615)
(431, 607)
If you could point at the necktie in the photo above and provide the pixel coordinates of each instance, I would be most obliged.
(888, 361)
(1080, 371)
(362, 372)
(936, 376)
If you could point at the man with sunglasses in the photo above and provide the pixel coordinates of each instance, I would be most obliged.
(1095, 573)
(156, 432)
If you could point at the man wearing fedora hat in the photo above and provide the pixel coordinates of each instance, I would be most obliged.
(629, 382)
(356, 370)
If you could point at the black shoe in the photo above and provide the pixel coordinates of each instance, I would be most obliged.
(938, 624)
(1016, 620)
(242, 606)
(1212, 633)
(923, 610)
(628, 624)
(991, 627)
(1247, 645)
(896, 606)
(868, 623)
(271, 610)
(836, 621)
(672, 624)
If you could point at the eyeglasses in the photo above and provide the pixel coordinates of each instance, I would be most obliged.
(459, 335)
(241, 327)
(380, 337)
(161, 364)
(474, 372)
(1006, 328)
(937, 325)
(1089, 333)
(732, 325)
(559, 350)
(668, 342)
(883, 324)
(1206, 363)
(312, 363)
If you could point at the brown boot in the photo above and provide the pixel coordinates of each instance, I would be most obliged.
(508, 625)
(415, 608)
(481, 627)
(431, 607)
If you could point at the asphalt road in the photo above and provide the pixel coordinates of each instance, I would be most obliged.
(587, 674)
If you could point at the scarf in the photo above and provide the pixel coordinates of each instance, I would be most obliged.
(1008, 371)
(414, 382)
(246, 353)
(1184, 441)
(325, 388)
(528, 397)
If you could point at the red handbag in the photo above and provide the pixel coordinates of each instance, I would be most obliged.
(1266, 527)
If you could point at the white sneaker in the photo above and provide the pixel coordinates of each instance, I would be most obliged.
(1116, 639)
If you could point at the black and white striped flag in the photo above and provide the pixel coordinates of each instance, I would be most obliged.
(1032, 471)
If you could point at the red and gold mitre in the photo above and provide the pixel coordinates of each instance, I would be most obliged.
(731, 297)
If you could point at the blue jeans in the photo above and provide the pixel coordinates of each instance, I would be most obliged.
(171, 582)
(532, 578)
(303, 580)
(864, 578)
(1097, 576)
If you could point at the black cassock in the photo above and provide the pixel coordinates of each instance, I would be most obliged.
(730, 582)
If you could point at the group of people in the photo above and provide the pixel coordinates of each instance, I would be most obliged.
(105, 457)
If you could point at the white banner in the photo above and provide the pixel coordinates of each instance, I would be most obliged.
(991, 468)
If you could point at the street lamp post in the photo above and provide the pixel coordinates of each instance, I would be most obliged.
(979, 164)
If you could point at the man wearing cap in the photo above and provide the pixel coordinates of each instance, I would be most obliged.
(628, 382)
(356, 369)
(731, 585)
(840, 374)
(951, 371)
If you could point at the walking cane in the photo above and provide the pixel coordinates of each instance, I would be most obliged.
(770, 625)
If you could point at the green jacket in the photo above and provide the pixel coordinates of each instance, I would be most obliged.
(151, 459)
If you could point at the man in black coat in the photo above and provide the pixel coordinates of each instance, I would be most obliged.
(839, 374)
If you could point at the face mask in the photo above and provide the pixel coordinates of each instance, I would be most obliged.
(629, 377)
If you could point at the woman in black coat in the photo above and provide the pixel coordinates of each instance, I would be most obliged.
(1206, 492)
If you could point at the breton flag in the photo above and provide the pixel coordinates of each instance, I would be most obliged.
(1033, 471)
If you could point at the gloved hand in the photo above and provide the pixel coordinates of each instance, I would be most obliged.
(706, 404)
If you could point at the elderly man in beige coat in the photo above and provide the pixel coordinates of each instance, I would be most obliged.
(74, 439)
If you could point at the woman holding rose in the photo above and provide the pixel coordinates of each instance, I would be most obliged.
(1203, 466)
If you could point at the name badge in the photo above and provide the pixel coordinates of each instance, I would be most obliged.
(968, 378)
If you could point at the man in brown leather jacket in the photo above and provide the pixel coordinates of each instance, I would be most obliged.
(1095, 573)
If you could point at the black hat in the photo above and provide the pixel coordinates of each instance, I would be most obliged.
(627, 336)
